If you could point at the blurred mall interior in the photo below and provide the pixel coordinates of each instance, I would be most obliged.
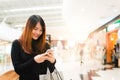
(83, 35)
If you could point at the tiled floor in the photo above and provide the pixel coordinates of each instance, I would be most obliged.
(110, 74)
(71, 71)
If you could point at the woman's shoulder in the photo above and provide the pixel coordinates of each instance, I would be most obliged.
(16, 42)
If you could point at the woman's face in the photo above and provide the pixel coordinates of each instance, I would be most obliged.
(37, 31)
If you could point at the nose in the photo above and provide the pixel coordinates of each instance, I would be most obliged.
(38, 32)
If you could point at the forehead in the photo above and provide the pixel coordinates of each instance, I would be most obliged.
(38, 25)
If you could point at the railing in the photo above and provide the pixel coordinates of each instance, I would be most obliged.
(9, 75)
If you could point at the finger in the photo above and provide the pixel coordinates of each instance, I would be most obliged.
(49, 51)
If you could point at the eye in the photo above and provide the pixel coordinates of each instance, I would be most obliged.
(35, 28)
(41, 30)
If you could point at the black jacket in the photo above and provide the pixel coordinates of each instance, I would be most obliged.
(25, 65)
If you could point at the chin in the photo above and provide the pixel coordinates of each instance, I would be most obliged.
(35, 38)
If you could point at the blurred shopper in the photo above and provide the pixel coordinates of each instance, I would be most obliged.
(104, 56)
(113, 57)
(31, 54)
(116, 55)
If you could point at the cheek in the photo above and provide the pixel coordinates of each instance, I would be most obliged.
(40, 33)
(33, 32)
(37, 33)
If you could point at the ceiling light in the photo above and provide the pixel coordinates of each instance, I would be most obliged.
(33, 8)
(115, 10)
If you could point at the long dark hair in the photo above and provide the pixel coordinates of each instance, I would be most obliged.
(26, 37)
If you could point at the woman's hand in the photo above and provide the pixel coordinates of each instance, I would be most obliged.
(40, 58)
(50, 56)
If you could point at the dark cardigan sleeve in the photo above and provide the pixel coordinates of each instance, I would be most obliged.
(51, 66)
(20, 66)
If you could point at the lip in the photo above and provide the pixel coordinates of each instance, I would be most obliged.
(36, 36)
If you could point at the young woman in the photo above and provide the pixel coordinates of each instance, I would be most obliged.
(31, 54)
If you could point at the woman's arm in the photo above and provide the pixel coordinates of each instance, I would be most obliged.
(20, 66)
(51, 66)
